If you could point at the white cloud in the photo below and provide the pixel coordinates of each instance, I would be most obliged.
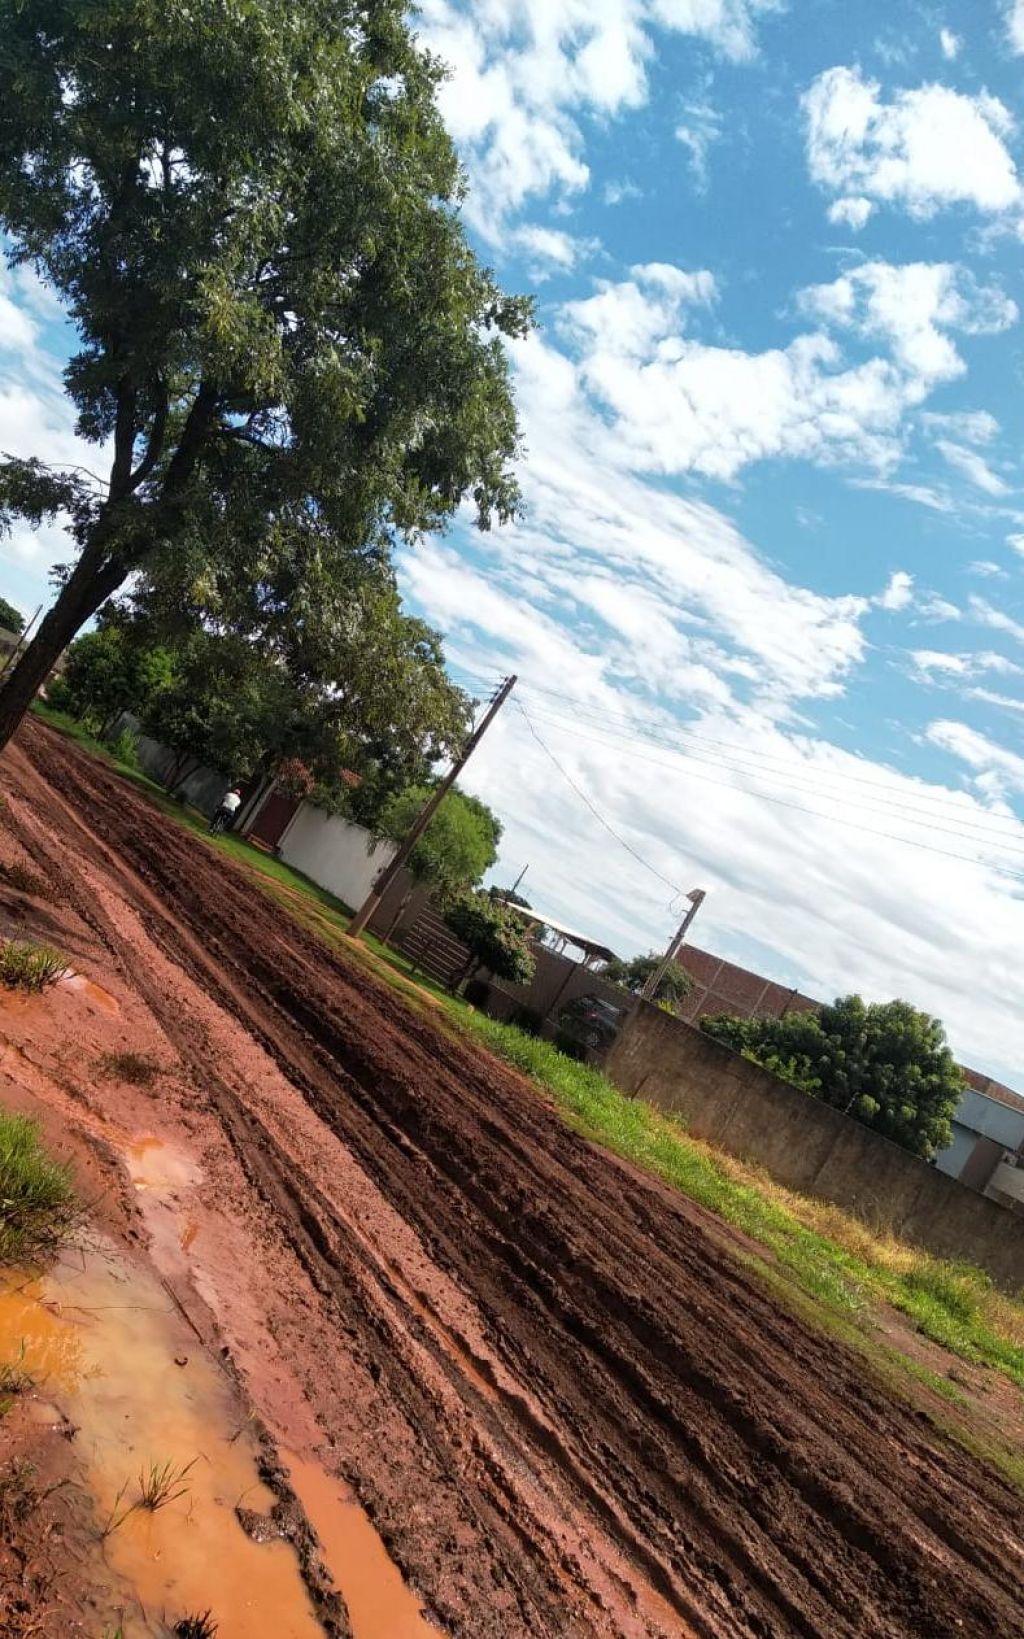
(934, 607)
(1015, 25)
(526, 73)
(678, 404)
(995, 619)
(899, 594)
(973, 466)
(969, 426)
(1017, 542)
(1000, 770)
(987, 569)
(989, 697)
(698, 130)
(914, 307)
(616, 192)
(950, 44)
(926, 664)
(551, 250)
(852, 211)
(926, 149)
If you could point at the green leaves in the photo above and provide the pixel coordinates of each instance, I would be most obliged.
(494, 937)
(457, 847)
(250, 214)
(886, 1063)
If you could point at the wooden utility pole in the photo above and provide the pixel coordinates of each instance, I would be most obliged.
(650, 989)
(22, 640)
(426, 814)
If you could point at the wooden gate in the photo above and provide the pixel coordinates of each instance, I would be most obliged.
(272, 820)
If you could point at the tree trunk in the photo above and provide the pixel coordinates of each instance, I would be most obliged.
(90, 584)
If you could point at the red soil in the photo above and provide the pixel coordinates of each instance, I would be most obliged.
(566, 1407)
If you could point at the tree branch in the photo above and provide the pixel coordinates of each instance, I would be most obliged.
(155, 445)
(124, 439)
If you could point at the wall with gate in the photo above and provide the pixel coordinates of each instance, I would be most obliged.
(809, 1147)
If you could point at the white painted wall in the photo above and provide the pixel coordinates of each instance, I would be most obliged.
(342, 857)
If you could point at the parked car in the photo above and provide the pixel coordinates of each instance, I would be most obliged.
(589, 1024)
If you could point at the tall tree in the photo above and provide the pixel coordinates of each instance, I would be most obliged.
(249, 212)
(885, 1063)
(457, 847)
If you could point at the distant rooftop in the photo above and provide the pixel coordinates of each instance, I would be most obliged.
(589, 947)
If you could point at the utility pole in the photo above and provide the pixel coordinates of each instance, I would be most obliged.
(519, 878)
(426, 813)
(22, 640)
(650, 989)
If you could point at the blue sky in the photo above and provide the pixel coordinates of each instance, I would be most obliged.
(766, 598)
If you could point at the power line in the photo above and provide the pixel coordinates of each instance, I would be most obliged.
(837, 819)
(748, 762)
(567, 777)
(967, 833)
(658, 734)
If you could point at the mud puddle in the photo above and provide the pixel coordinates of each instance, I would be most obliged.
(381, 1605)
(110, 1358)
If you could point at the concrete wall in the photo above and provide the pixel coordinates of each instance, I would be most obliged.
(335, 853)
(203, 788)
(810, 1147)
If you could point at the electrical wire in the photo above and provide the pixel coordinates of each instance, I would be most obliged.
(973, 828)
(968, 833)
(657, 734)
(567, 777)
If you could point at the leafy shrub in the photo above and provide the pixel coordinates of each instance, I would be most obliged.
(125, 747)
(885, 1063)
(495, 937)
(30, 967)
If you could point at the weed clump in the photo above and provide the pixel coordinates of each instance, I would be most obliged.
(30, 967)
(137, 1069)
(196, 1627)
(37, 1201)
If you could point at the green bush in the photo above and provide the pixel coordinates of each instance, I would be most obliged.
(494, 937)
(125, 747)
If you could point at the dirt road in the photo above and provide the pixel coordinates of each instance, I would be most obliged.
(562, 1400)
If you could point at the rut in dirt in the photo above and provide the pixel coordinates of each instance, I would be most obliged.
(740, 1460)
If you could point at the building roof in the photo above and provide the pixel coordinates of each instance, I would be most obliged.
(590, 947)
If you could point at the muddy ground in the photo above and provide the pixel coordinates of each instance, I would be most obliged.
(563, 1402)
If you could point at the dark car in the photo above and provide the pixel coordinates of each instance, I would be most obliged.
(589, 1024)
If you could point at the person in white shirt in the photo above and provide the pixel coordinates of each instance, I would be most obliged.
(230, 803)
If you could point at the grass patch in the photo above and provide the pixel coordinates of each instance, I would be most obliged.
(30, 967)
(25, 881)
(37, 1201)
(832, 1257)
(137, 1069)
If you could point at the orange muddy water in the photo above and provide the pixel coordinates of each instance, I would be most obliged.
(100, 1339)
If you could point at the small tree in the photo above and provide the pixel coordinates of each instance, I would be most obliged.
(459, 844)
(108, 672)
(494, 936)
(634, 974)
(11, 620)
(886, 1063)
